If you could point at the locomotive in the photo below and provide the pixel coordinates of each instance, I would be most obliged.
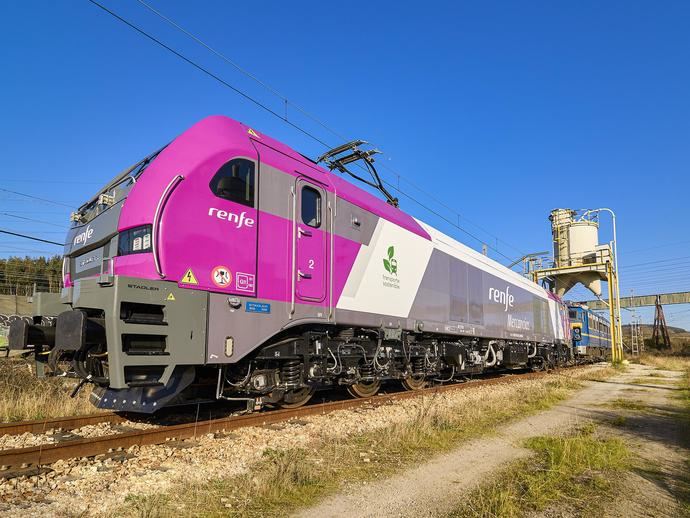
(226, 265)
(591, 333)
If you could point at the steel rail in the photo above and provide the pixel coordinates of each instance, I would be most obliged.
(64, 423)
(90, 447)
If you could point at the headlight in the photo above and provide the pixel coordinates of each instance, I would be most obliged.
(134, 241)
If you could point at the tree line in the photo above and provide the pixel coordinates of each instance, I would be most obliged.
(20, 276)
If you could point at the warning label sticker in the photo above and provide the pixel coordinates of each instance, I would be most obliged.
(245, 281)
(189, 278)
(170, 297)
(221, 276)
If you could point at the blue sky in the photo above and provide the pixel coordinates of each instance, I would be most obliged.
(501, 110)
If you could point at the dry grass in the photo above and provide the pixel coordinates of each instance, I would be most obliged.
(284, 480)
(676, 481)
(683, 488)
(24, 396)
(683, 397)
(605, 373)
(576, 473)
(661, 362)
(682, 484)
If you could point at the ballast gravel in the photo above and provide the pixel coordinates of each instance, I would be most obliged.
(96, 487)
(27, 440)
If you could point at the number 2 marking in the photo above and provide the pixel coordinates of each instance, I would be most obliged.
(311, 264)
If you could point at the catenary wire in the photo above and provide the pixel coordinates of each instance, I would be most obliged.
(36, 198)
(656, 262)
(242, 70)
(274, 113)
(31, 219)
(309, 115)
(31, 237)
(206, 71)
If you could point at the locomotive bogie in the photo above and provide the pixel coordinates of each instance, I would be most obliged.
(362, 361)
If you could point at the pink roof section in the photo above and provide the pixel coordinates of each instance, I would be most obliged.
(344, 189)
(202, 148)
(199, 149)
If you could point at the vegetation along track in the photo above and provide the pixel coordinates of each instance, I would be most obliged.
(15, 462)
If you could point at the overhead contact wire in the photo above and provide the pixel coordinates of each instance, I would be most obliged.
(266, 108)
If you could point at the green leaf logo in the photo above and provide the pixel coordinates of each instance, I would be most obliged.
(391, 264)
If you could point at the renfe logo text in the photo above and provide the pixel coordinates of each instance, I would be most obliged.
(239, 221)
(83, 237)
(502, 297)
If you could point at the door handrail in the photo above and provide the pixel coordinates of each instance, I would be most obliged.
(330, 272)
(293, 193)
(163, 200)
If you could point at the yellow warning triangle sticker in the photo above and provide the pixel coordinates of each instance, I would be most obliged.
(189, 278)
(170, 297)
(253, 133)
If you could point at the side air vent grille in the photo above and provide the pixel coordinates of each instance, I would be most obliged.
(144, 345)
(138, 313)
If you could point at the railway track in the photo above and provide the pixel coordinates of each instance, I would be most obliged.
(59, 423)
(17, 462)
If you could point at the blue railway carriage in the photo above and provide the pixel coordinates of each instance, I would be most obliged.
(591, 333)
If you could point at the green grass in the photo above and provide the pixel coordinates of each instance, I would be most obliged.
(653, 381)
(628, 404)
(619, 420)
(576, 472)
(284, 480)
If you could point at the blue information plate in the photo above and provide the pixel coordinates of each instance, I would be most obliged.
(257, 307)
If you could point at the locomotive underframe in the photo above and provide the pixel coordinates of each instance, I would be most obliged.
(333, 356)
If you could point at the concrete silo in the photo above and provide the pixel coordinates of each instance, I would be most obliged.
(578, 258)
(577, 252)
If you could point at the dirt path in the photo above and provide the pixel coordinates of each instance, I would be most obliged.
(436, 487)
(655, 435)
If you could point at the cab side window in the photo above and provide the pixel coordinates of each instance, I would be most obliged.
(311, 207)
(234, 181)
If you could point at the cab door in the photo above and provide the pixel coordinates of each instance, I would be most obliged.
(311, 242)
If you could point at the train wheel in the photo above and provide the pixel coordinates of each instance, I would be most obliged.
(362, 390)
(296, 398)
(414, 382)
